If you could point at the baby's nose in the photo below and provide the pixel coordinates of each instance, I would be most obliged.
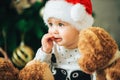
(55, 31)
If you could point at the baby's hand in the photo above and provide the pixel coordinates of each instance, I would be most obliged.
(47, 42)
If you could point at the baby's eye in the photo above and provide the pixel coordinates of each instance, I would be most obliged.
(60, 24)
(50, 24)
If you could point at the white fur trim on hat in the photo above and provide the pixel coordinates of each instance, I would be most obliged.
(73, 14)
(77, 12)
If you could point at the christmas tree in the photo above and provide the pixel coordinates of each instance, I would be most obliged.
(21, 21)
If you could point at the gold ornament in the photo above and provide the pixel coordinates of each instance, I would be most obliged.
(22, 55)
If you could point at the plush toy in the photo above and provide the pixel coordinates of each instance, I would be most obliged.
(100, 54)
(7, 69)
(35, 70)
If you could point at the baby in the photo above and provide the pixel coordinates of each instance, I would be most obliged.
(65, 19)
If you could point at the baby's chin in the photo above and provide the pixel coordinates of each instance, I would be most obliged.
(59, 43)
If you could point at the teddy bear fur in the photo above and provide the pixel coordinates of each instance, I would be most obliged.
(35, 70)
(7, 69)
(100, 54)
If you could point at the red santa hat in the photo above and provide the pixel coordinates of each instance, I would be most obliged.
(76, 12)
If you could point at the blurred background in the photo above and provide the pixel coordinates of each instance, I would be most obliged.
(21, 29)
(22, 26)
(107, 15)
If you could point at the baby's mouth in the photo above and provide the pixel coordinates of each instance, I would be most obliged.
(57, 39)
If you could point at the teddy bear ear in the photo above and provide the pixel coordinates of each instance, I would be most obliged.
(90, 46)
(87, 65)
(88, 42)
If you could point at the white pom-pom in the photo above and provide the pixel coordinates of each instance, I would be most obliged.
(78, 12)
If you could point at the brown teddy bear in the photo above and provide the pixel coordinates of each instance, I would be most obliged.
(35, 70)
(100, 54)
(7, 69)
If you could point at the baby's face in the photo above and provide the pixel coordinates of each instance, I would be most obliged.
(64, 33)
